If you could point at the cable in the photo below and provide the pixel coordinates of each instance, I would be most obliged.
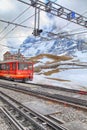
(16, 25)
(15, 19)
(79, 33)
(70, 23)
(69, 35)
(8, 33)
(76, 33)
(64, 13)
(46, 39)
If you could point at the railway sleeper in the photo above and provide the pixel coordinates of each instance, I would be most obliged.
(41, 123)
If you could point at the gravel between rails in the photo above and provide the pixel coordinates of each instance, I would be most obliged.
(3, 124)
(63, 112)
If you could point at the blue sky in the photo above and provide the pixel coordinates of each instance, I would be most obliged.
(10, 9)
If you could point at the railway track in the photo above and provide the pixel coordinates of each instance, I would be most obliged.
(23, 118)
(72, 101)
(84, 92)
(12, 123)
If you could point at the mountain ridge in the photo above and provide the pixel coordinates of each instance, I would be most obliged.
(33, 46)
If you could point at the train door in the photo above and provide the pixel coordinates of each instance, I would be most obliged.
(8, 69)
(13, 71)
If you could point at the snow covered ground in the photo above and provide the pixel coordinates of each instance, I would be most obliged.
(82, 57)
(77, 79)
(69, 78)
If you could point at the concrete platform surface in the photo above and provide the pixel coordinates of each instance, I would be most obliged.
(42, 107)
(76, 125)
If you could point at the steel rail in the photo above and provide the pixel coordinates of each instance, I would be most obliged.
(38, 120)
(21, 113)
(72, 101)
(83, 92)
(11, 121)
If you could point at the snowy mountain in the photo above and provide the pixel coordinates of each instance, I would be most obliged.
(33, 46)
(60, 71)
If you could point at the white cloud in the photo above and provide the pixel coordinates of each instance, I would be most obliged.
(6, 5)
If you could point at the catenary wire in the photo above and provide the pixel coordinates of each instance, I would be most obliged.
(17, 26)
(15, 19)
(55, 34)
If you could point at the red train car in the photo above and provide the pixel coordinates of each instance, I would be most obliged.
(20, 70)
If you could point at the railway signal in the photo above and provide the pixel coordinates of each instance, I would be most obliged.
(48, 6)
(36, 32)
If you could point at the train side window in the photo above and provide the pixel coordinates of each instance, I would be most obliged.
(20, 66)
(23, 66)
(7, 67)
(30, 67)
(14, 66)
(3, 66)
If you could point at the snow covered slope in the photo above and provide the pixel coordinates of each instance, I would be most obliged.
(68, 73)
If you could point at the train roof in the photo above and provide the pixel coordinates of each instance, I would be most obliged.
(9, 61)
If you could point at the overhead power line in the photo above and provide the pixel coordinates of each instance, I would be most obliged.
(46, 39)
(15, 19)
(51, 33)
(16, 24)
(70, 22)
(74, 33)
(66, 35)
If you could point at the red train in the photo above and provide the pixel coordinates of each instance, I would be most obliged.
(16, 70)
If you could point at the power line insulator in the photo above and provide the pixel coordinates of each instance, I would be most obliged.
(60, 11)
(48, 6)
(85, 23)
(33, 3)
(79, 19)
